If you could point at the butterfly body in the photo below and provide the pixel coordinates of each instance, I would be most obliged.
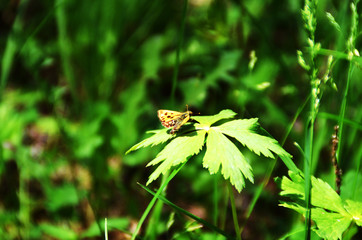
(173, 119)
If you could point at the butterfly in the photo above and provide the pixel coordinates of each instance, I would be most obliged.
(173, 119)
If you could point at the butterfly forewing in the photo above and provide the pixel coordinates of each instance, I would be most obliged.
(173, 119)
(168, 118)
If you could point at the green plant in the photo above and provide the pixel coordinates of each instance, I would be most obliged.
(221, 152)
(332, 214)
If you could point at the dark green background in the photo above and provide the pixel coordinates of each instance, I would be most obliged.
(81, 82)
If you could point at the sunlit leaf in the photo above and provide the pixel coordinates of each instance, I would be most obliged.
(330, 214)
(160, 136)
(330, 225)
(242, 130)
(220, 151)
(355, 209)
(323, 195)
(209, 120)
(176, 152)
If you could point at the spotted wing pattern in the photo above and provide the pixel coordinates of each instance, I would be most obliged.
(173, 119)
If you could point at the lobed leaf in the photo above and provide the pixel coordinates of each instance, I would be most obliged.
(176, 152)
(159, 137)
(220, 151)
(292, 187)
(209, 120)
(323, 195)
(331, 216)
(242, 131)
(330, 225)
(355, 209)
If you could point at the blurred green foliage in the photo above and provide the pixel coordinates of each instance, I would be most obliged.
(81, 83)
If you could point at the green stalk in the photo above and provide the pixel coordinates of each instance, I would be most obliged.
(151, 232)
(196, 218)
(343, 113)
(351, 48)
(351, 53)
(309, 16)
(307, 174)
(153, 201)
(308, 150)
(105, 229)
(233, 209)
(215, 200)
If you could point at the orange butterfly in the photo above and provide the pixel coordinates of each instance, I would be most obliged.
(173, 119)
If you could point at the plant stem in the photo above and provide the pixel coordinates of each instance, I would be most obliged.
(343, 113)
(151, 232)
(309, 16)
(233, 209)
(154, 199)
(215, 199)
(181, 210)
(307, 173)
(105, 229)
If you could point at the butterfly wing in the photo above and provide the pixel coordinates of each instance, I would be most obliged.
(173, 119)
(168, 118)
(184, 118)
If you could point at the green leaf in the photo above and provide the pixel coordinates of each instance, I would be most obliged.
(221, 151)
(323, 195)
(330, 225)
(330, 214)
(159, 137)
(352, 185)
(292, 187)
(209, 120)
(291, 205)
(355, 209)
(242, 130)
(176, 152)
